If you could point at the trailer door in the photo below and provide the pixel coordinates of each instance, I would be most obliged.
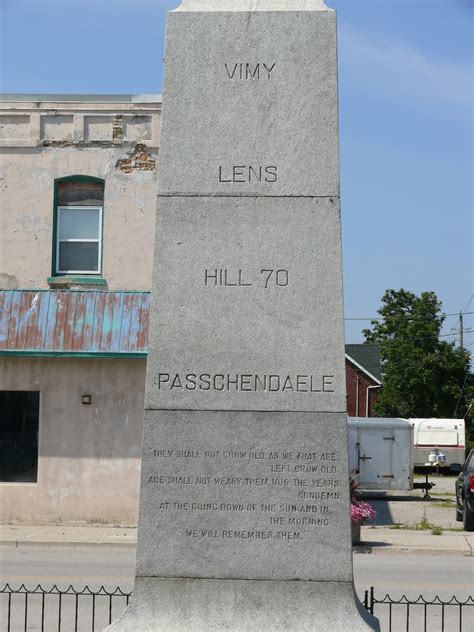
(376, 457)
(353, 436)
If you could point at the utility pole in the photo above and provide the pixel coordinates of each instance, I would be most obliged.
(461, 330)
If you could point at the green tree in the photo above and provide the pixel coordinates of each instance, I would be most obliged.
(423, 375)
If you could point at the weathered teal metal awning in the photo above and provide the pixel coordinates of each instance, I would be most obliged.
(74, 323)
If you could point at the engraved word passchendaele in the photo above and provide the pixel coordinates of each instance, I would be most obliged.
(246, 382)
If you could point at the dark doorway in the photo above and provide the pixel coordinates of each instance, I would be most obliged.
(19, 421)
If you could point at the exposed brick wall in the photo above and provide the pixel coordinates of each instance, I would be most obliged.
(138, 158)
(357, 380)
(117, 129)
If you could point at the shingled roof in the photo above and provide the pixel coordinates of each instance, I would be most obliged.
(368, 357)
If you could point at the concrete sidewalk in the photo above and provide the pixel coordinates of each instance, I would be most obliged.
(383, 540)
(67, 536)
(380, 540)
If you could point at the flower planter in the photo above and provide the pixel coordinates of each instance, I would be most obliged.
(360, 512)
(355, 529)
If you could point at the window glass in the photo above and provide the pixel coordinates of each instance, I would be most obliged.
(19, 421)
(79, 223)
(77, 256)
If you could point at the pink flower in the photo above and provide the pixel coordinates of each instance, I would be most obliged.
(361, 511)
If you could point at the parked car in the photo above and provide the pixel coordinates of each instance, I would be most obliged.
(465, 494)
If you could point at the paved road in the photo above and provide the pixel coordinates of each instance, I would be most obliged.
(395, 574)
(94, 567)
(429, 574)
(412, 575)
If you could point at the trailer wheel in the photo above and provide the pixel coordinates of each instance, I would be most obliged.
(459, 516)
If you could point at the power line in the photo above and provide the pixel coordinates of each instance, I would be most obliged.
(410, 317)
(466, 331)
(467, 304)
(460, 394)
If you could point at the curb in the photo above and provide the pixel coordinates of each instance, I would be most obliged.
(371, 549)
(49, 544)
(368, 548)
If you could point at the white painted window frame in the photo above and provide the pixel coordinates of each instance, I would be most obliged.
(97, 241)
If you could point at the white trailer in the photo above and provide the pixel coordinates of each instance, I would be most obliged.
(381, 453)
(434, 436)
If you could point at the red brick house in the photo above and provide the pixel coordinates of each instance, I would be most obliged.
(363, 379)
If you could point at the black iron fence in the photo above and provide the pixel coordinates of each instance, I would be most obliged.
(420, 614)
(55, 610)
(86, 610)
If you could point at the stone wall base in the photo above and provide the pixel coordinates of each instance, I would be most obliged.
(214, 605)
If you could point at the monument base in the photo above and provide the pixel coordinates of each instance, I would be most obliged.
(213, 605)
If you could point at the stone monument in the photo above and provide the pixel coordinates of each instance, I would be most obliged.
(244, 506)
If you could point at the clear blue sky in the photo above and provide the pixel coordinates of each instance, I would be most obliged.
(406, 114)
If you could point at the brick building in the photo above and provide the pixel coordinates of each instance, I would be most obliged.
(363, 379)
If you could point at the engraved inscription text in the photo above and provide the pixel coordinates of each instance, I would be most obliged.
(223, 277)
(247, 173)
(308, 486)
(246, 382)
(246, 71)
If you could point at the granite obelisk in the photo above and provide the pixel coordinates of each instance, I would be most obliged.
(244, 506)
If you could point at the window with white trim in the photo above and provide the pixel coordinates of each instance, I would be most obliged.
(79, 240)
(78, 226)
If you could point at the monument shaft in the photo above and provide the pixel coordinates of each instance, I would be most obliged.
(244, 506)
